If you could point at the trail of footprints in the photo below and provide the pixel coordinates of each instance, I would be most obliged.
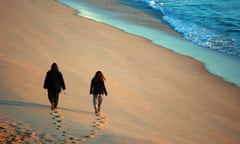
(96, 126)
(21, 133)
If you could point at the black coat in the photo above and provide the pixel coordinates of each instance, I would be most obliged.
(98, 87)
(54, 81)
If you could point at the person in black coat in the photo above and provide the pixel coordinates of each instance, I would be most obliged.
(54, 82)
(98, 89)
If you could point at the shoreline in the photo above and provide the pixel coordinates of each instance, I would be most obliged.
(155, 95)
(215, 63)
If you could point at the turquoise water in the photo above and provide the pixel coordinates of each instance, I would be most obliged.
(177, 26)
(214, 24)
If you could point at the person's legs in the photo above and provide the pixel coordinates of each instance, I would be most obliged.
(56, 96)
(100, 100)
(51, 99)
(95, 102)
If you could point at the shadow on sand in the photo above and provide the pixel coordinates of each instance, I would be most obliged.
(65, 135)
(36, 105)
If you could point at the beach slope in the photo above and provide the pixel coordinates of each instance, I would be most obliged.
(155, 96)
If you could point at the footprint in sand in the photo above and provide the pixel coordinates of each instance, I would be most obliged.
(12, 132)
(58, 120)
(97, 125)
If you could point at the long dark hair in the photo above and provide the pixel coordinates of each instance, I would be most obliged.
(99, 75)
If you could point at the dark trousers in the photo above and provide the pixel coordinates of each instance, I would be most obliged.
(53, 98)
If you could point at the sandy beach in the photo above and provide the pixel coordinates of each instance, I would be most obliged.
(155, 96)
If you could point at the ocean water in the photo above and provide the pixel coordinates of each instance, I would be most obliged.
(214, 24)
(206, 30)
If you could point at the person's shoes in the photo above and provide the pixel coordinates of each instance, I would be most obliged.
(96, 110)
(52, 106)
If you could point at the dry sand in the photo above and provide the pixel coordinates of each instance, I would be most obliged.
(155, 95)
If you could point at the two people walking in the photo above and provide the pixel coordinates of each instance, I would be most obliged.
(54, 83)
